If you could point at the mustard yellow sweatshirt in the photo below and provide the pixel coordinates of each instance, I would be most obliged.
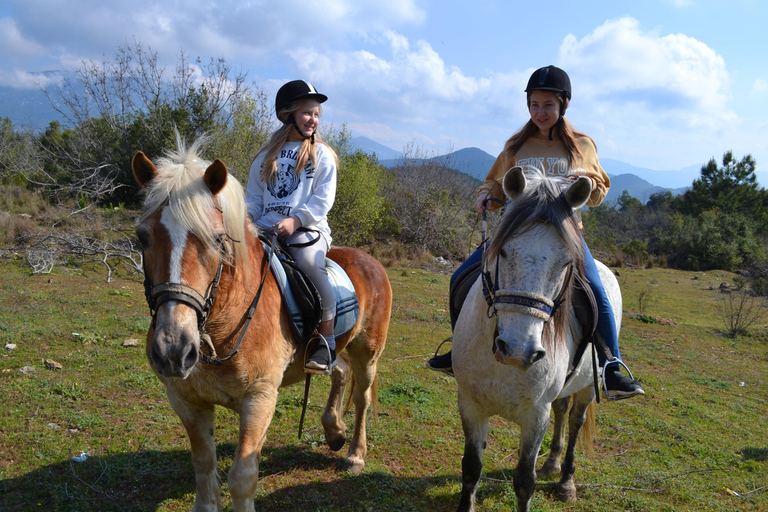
(550, 157)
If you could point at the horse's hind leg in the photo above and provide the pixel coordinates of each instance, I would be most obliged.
(333, 417)
(552, 464)
(364, 364)
(198, 420)
(475, 436)
(566, 488)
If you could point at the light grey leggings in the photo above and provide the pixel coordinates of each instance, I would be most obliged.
(311, 259)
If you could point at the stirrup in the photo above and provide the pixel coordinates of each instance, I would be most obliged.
(605, 386)
(449, 338)
(445, 371)
(315, 371)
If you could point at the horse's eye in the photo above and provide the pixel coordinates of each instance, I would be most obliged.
(502, 253)
(144, 234)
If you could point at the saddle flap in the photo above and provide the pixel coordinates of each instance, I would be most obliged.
(304, 303)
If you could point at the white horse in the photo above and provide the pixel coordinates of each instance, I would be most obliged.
(513, 350)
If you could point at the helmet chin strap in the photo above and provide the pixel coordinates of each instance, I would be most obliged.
(292, 119)
(559, 119)
(553, 126)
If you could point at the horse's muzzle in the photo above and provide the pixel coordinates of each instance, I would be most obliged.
(174, 349)
(521, 357)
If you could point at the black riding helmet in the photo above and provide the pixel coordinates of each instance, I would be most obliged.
(551, 78)
(293, 91)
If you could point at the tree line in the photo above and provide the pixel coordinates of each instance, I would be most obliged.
(127, 102)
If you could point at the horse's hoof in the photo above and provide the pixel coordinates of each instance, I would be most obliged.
(354, 465)
(550, 468)
(566, 492)
(336, 443)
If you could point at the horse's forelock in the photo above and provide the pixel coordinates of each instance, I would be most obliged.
(179, 185)
(542, 201)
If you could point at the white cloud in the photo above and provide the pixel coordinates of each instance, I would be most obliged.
(760, 86)
(198, 25)
(13, 44)
(23, 80)
(412, 81)
(674, 77)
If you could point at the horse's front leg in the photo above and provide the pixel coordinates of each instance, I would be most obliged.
(552, 464)
(532, 434)
(566, 488)
(198, 420)
(256, 413)
(475, 435)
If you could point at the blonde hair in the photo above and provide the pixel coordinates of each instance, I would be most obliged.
(307, 151)
(563, 130)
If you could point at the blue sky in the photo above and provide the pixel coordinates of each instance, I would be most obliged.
(662, 84)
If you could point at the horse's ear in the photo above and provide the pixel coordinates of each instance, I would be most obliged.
(578, 194)
(514, 182)
(144, 170)
(216, 176)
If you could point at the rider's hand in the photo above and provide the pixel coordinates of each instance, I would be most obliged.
(287, 226)
(483, 202)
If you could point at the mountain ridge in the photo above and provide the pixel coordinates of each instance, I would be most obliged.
(475, 162)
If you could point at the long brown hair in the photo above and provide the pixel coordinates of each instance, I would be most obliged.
(563, 130)
(307, 151)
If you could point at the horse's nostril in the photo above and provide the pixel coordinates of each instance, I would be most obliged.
(538, 355)
(190, 358)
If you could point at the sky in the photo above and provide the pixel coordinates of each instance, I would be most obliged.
(661, 84)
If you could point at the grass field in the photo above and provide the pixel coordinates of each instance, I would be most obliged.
(695, 442)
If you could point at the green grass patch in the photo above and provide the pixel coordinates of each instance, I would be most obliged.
(695, 442)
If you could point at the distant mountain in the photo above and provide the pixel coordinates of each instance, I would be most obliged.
(472, 161)
(635, 180)
(371, 146)
(668, 179)
(637, 188)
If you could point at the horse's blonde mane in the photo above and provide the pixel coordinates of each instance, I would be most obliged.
(179, 185)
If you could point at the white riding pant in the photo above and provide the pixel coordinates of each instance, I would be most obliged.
(311, 260)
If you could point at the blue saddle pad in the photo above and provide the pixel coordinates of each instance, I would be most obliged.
(347, 306)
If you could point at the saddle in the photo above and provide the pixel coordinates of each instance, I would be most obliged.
(584, 306)
(302, 299)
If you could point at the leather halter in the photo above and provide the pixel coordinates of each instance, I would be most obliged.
(156, 295)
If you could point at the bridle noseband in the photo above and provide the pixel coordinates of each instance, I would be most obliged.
(163, 292)
(532, 304)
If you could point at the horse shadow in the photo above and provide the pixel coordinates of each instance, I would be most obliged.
(135, 481)
(144, 480)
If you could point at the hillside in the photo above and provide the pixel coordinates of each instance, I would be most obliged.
(637, 188)
(639, 182)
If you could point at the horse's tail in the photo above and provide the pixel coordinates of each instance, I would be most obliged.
(587, 433)
(374, 397)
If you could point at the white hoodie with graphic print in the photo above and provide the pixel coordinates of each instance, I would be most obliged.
(308, 195)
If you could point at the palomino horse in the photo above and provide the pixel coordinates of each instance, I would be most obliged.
(513, 350)
(203, 264)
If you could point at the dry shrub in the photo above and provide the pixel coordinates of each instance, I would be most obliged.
(14, 228)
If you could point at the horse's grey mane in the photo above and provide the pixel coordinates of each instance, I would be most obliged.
(542, 201)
